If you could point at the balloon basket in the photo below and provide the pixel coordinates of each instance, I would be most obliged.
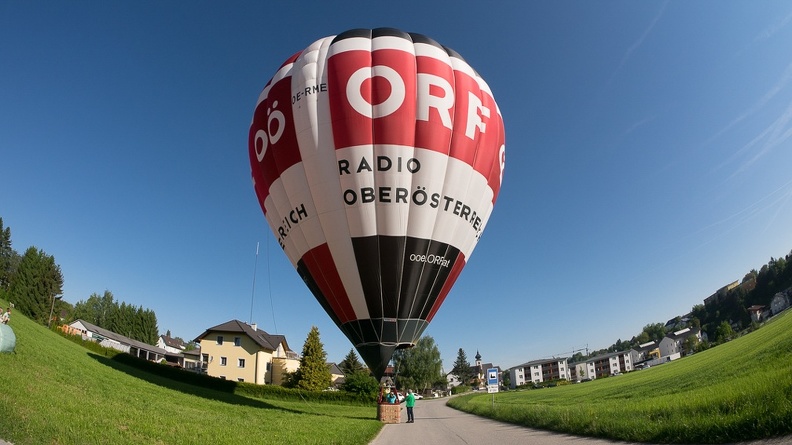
(389, 413)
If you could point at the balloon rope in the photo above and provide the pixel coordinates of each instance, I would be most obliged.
(253, 291)
(269, 288)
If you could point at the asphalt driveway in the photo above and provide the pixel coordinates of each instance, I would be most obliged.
(437, 424)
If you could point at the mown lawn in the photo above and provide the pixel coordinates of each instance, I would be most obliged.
(738, 391)
(54, 391)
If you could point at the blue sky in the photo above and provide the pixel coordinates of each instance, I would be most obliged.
(649, 147)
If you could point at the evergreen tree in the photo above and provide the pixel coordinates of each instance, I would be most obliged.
(313, 373)
(9, 259)
(461, 367)
(350, 364)
(35, 284)
(150, 332)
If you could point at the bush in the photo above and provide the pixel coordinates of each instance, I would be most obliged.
(241, 388)
(460, 389)
(363, 384)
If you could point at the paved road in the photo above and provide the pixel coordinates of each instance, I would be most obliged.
(437, 424)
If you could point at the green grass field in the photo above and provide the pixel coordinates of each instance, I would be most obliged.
(738, 391)
(56, 392)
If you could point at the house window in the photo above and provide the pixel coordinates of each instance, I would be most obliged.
(237, 341)
(241, 363)
(219, 339)
(222, 377)
(240, 379)
(223, 361)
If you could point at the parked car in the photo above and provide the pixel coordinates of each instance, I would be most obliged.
(418, 396)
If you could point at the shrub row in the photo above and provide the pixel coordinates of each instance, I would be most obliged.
(240, 388)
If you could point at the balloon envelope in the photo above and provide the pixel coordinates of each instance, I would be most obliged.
(377, 156)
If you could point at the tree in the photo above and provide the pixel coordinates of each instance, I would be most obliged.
(418, 367)
(125, 319)
(654, 331)
(313, 373)
(9, 259)
(462, 368)
(723, 332)
(361, 382)
(98, 310)
(350, 364)
(690, 345)
(35, 284)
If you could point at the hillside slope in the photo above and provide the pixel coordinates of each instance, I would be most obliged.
(55, 391)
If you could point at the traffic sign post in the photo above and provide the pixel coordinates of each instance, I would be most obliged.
(492, 383)
(492, 380)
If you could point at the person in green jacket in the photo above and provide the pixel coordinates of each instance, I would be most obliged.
(410, 405)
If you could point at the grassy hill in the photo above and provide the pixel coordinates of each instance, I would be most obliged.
(738, 391)
(55, 391)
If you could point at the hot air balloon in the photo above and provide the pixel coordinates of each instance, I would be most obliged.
(377, 156)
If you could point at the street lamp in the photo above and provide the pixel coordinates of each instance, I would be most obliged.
(52, 308)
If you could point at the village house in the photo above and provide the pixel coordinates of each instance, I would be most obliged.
(238, 351)
(674, 343)
(171, 345)
(110, 339)
(336, 375)
(645, 351)
(193, 361)
(780, 301)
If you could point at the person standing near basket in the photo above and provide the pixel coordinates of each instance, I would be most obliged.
(410, 405)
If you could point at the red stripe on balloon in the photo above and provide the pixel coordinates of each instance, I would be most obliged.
(319, 263)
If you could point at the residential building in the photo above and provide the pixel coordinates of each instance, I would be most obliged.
(611, 364)
(646, 351)
(235, 350)
(674, 343)
(539, 371)
(780, 301)
(758, 313)
(110, 339)
(336, 375)
(169, 344)
(580, 371)
(720, 293)
(193, 361)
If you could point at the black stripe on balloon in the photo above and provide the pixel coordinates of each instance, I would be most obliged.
(372, 33)
(368, 259)
(353, 33)
(448, 253)
(389, 32)
(420, 38)
(401, 276)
